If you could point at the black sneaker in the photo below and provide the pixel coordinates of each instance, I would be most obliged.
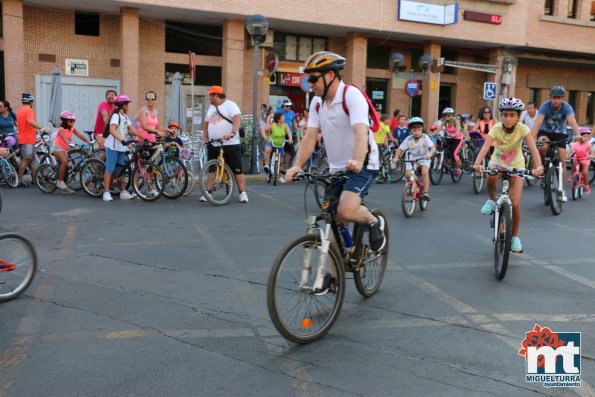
(328, 285)
(23, 184)
(267, 170)
(376, 235)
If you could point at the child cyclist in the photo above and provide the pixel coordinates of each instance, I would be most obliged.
(508, 136)
(420, 146)
(61, 144)
(583, 153)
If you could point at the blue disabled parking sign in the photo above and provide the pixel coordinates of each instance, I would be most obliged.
(489, 91)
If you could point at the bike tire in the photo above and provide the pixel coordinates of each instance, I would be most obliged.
(423, 204)
(398, 170)
(555, 200)
(370, 274)
(592, 171)
(19, 252)
(478, 179)
(175, 177)
(9, 173)
(222, 187)
(467, 160)
(436, 171)
(191, 183)
(275, 169)
(91, 177)
(503, 240)
(547, 186)
(46, 178)
(408, 202)
(73, 179)
(528, 165)
(153, 182)
(576, 187)
(453, 174)
(295, 323)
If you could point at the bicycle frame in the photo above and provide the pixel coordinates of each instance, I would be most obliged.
(551, 160)
(502, 198)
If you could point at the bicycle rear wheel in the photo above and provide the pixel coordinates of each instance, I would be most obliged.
(46, 178)
(297, 312)
(408, 202)
(10, 174)
(175, 177)
(503, 240)
(371, 271)
(18, 262)
(222, 184)
(436, 171)
(147, 181)
(92, 177)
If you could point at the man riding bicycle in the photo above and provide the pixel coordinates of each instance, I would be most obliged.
(550, 126)
(348, 139)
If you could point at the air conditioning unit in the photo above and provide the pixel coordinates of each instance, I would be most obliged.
(268, 42)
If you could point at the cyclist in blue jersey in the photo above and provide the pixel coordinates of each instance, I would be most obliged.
(550, 126)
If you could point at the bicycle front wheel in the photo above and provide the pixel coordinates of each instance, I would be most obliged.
(503, 240)
(555, 197)
(147, 181)
(46, 178)
(92, 177)
(408, 202)
(436, 171)
(298, 312)
(18, 262)
(10, 174)
(371, 271)
(216, 182)
(175, 178)
(478, 179)
(576, 187)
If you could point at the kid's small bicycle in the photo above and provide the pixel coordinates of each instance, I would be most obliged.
(413, 191)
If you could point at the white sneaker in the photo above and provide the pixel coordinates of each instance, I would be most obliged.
(243, 197)
(107, 196)
(125, 195)
(564, 198)
(203, 199)
(61, 185)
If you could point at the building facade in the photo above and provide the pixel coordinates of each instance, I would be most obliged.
(523, 46)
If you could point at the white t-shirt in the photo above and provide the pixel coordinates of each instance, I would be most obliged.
(218, 126)
(528, 120)
(122, 130)
(417, 149)
(336, 126)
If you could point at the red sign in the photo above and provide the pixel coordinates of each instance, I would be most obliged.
(482, 17)
(272, 62)
(192, 65)
(289, 79)
(411, 88)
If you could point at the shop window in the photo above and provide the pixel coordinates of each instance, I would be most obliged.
(205, 75)
(296, 48)
(201, 39)
(572, 8)
(591, 108)
(86, 23)
(572, 99)
(378, 57)
(549, 7)
(450, 55)
(534, 96)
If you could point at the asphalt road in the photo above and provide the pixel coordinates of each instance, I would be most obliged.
(169, 298)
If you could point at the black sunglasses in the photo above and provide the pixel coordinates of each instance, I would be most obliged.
(487, 111)
(312, 79)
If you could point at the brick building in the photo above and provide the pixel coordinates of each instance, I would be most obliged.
(524, 46)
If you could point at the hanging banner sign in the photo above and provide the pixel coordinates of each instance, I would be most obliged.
(436, 14)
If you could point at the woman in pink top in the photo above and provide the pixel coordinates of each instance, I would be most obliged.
(486, 121)
(452, 127)
(583, 153)
(61, 144)
(148, 120)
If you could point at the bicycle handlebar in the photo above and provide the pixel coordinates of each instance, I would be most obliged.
(514, 171)
(320, 177)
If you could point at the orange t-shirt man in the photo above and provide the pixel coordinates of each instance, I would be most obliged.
(26, 131)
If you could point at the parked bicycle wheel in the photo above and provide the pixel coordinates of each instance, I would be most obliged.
(555, 197)
(221, 182)
(175, 178)
(370, 274)
(9, 174)
(18, 262)
(46, 178)
(503, 241)
(299, 314)
(92, 177)
(148, 181)
(436, 171)
(191, 183)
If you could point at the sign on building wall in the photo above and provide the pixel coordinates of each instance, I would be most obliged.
(436, 14)
(76, 67)
(289, 79)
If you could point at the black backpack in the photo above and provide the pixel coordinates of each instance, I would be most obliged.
(106, 131)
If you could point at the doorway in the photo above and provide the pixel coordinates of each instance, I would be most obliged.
(376, 89)
(445, 99)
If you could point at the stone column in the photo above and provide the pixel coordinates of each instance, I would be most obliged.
(233, 68)
(14, 51)
(130, 53)
(431, 86)
(357, 56)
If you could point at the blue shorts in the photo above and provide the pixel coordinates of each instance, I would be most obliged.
(114, 158)
(562, 139)
(281, 150)
(356, 183)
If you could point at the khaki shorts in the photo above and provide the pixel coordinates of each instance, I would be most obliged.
(27, 151)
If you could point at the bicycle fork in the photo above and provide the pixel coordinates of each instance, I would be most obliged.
(325, 243)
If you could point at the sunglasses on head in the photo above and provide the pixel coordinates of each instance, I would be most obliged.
(150, 97)
(312, 79)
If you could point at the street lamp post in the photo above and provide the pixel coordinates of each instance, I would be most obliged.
(257, 26)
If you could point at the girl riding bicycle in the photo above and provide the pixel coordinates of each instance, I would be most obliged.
(583, 152)
(508, 136)
(61, 144)
(451, 125)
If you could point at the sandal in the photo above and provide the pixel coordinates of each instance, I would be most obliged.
(425, 196)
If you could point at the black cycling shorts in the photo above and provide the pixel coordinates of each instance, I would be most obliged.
(555, 137)
(232, 153)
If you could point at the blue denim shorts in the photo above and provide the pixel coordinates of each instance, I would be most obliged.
(356, 183)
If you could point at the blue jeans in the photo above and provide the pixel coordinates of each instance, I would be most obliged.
(114, 159)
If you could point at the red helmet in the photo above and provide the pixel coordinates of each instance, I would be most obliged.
(122, 99)
(66, 115)
(174, 124)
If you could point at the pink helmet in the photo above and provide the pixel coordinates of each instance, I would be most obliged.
(122, 99)
(9, 141)
(584, 130)
(511, 104)
(66, 115)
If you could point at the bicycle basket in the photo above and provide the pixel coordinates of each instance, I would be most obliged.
(186, 153)
(144, 151)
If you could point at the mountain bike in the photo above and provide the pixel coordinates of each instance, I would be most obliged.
(216, 179)
(552, 184)
(501, 219)
(18, 263)
(413, 190)
(9, 173)
(175, 175)
(306, 285)
(144, 176)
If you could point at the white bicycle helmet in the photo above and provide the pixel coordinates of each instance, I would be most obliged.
(511, 104)
(448, 111)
